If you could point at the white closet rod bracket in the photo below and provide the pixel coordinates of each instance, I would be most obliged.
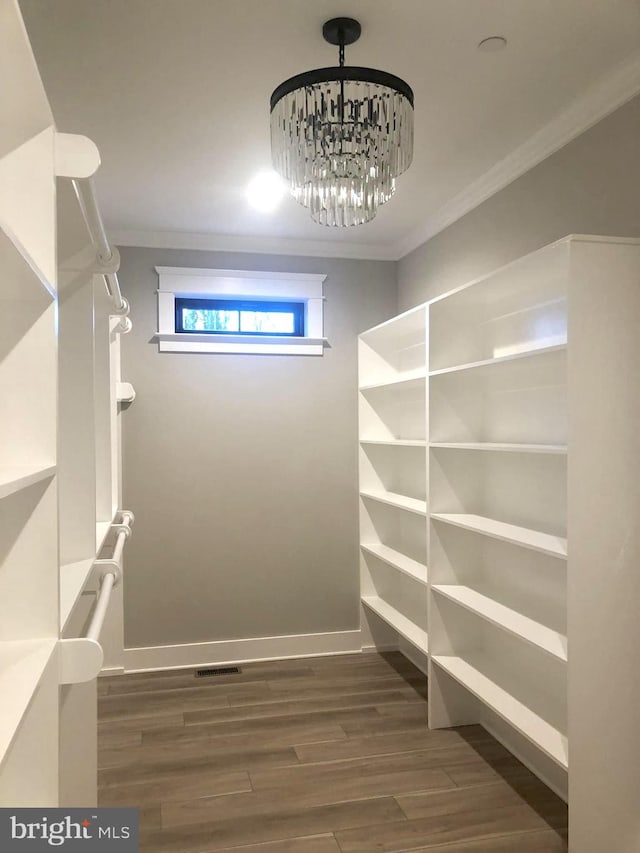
(76, 156)
(113, 565)
(81, 658)
(127, 517)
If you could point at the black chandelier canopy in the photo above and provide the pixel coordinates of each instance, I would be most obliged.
(341, 135)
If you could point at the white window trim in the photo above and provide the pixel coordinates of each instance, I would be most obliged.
(233, 284)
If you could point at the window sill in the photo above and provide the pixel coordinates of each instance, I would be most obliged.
(249, 344)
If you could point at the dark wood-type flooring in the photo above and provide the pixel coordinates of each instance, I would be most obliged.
(317, 755)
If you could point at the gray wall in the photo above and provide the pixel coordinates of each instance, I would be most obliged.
(591, 186)
(242, 470)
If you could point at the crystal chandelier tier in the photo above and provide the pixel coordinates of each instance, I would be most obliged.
(340, 136)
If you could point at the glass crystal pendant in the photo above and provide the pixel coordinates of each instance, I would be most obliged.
(340, 136)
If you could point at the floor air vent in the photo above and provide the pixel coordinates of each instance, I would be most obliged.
(221, 670)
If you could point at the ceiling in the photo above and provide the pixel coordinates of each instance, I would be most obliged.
(176, 95)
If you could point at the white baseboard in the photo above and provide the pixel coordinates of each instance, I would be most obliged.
(111, 670)
(225, 652)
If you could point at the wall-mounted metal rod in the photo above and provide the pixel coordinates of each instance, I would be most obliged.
(86, 194)
(119, 547)
(102, 603)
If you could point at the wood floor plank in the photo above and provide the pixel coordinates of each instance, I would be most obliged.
(136, 724)
(531, 842)
(303, 793)
(119, 740)
(344, 682)
(460, 801)
(310, 844)
(196, 743)
(385, 744)
(301, 706)
(483, 772)
(171, 701)
(275, 725)
(243, 759)
(181, 679)
(337, 781)
(286, 823)
(412, 720)
(448, 828)
(149, 817)
(201, 783)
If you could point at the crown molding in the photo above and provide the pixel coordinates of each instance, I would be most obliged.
(255, 245)
(601, 99)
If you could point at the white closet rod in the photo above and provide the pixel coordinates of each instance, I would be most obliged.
(119, 546)
(102, 603)
(86, 193)
(109, 579)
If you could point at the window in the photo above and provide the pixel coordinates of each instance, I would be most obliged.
(231, 316)
(240, 311)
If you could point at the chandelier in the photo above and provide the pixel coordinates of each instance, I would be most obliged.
(340, 136)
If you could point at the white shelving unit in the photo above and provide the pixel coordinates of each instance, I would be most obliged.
(498, 506)
(529, 486)
(393, 478)
(28, 459)
(59, 449)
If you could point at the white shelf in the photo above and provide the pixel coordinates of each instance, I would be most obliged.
(14, 478)
(73, 577)
(541, 733)
(400, 501)
(501, 447)
(490, 362)
(534, 540)
(509, 620)
(402, 380)
(399, 561)
(22, 665)
(405, 627)
(395, 442)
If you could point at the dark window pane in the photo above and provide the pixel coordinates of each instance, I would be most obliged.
(236, 316)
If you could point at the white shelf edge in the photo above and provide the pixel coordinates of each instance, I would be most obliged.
(73, 577)
(405, 627)
(533, 540)
(541, 733)
(397, 320)
(500, 447)
(395, 442)
(399, 501)
(14, 478)
(22, 665)
(535, 633)
(398, 560)
(402, 379)
(502, 359)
